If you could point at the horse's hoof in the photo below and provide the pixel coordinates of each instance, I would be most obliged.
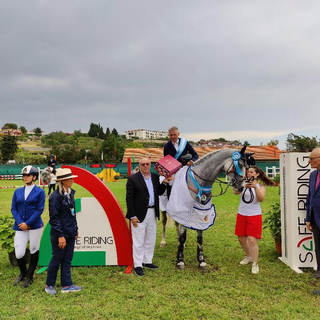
(202, 264)
(180, 265)
(162, 244)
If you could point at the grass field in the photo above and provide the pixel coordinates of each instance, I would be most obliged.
(226, 291)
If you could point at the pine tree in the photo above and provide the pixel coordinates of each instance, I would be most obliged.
(8, 147)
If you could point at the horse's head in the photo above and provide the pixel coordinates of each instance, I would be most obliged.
(235, 168)
(236, 174)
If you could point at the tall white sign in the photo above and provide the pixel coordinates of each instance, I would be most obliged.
(297, 241)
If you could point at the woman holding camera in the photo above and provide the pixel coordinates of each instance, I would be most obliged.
(249, 218)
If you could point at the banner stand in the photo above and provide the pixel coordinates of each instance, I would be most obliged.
(297, 241)
(104, 237)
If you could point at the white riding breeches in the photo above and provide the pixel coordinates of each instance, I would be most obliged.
(21, 240)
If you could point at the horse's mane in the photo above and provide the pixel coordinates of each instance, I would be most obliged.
(200, 160)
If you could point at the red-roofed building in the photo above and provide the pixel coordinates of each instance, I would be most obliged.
(265, 156)
(11, 132)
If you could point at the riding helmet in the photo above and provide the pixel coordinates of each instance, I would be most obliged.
(30, 170)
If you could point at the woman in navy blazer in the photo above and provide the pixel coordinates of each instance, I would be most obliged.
(63, 234)
(27, 207)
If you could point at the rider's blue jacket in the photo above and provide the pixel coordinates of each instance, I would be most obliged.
(28, 211)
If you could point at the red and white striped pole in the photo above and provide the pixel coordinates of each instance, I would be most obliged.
(9, 187)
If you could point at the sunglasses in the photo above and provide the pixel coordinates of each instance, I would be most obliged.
(145, 164)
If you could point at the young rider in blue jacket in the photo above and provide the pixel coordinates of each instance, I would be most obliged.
(27, 207)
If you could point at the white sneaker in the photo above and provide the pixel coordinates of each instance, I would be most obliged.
(255, 268)
(246, 260)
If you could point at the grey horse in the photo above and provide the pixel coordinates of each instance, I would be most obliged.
(204, 172)
(45, 176)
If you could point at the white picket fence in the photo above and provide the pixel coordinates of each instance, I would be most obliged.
(271, 172)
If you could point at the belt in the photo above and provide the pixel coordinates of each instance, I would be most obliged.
(151, 207)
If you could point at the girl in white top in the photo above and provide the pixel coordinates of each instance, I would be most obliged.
(52, 184)
(249, 219)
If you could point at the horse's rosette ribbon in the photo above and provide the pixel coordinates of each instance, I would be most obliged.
(236, 156)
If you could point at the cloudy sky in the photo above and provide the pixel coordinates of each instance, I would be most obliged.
(247, 70)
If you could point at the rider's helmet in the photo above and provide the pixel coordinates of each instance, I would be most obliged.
(30, 170)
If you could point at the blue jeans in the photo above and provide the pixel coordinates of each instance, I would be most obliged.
(63, 257)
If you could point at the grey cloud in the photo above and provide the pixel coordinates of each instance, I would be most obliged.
(207, 66)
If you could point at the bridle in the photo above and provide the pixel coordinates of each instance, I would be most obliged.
(233, 168)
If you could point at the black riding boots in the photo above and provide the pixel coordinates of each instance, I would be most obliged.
(34, 258)
(23, 270)
(27, 274)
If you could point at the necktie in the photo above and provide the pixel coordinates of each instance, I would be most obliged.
(318, 180)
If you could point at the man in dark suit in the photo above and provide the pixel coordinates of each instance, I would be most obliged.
(142, 197)
(178, 147)
(313, 207)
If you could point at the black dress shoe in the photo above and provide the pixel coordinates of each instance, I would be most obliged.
(150, 266)
(317, 274)
(139, 271)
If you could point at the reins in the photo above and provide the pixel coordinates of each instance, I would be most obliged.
(221, 188)
(250, 192)
(200, 177)
(222, 192)
(201, 190)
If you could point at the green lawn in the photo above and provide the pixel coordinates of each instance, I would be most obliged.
(226, 291)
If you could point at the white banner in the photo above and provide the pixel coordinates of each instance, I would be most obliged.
(297, 241)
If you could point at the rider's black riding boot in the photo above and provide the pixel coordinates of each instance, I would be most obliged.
(23, 270)
(34, 258)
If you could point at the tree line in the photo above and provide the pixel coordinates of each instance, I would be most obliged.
(98, 145)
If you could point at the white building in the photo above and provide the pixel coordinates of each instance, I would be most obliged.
(144, 134)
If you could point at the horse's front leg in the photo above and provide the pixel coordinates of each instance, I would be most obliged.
(200, 256)
(164, 222)
(178, 230)
(182, 240)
